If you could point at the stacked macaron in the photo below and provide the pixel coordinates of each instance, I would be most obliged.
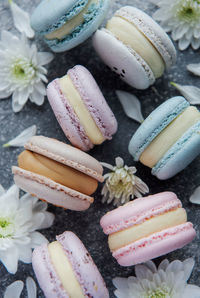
(169, 139)
(64, 268)
(135, 47)
(147, 228)
(66, 24)
(58, 173)
(81, 109)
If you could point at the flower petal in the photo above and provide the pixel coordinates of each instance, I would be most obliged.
(23, 137)
(191, 93)
(10, 259)
(45, 58)
(37, 239)
(131, 105)
(194, 68)
(188, 267)
(31, 287)
(21, 20)
(14, 289)
(195, 197)
(37, 98)
(15, 102)
(191, 291)
(2, 190)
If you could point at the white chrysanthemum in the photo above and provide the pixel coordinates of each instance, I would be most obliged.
(19, 220)
(121, 184)
(168, 281)
(182, 18)
(22, 70)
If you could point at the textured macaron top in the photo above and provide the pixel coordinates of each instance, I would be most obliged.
(50, 15)
(138, 211)
(152, 31)
(94, 100)
(84, 268)
(67, 155)
(155, 123)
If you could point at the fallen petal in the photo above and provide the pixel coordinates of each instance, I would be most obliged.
(195, 197)
(21, 20)
(31, 288)
(23, 137)
(14, 290)
(191, 93)
(194, 68)
(131, 105)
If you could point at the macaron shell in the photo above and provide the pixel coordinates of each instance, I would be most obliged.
(152, 31)
(155, 123)
(94, 100)
(180, 155)
(155, 245)
(45, 273)
(50, 191)
(80, 34)
(67, 118)
(84, 268)
(123, 60)
(139, 210)
(51, 14)
(67, 155)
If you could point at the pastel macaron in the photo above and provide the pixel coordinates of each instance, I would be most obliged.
(66, 24)
(147, 228)
(135, 47)
(64, 268)
(169, 138)
(58, 173)
(81, 109)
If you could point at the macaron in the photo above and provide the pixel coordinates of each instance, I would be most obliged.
(168, 139)
(58, 173)
(66, 24)
(81, 109)
(147, 228)
(135, 47)
(64, 268)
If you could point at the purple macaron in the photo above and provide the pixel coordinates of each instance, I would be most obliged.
(81, 109)
(64, 268)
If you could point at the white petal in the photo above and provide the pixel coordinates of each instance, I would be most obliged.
(191, 93)
(14, 290)
(5, 93)
(44, 58)
(25, 254)
(37, 239)
(120, 283)
(31, 288)
(119, 162)
(21, 20)
(2, 190)
(23, 137)
(191, 291)
(10, 259)
(131, 105)
(194, 68)
(37, 98)
(195, 197)
(15, 102)
(183, 44)
(48, 220)
(188, 267)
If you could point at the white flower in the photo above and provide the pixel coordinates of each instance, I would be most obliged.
(22, 72)
(19, 220)
(168, 281)
(194, 68)
(182, 18)
(21, 20)
(195, 197)
(23, 137)
(14, 290)
(191, 93)
(121, 184)
(131, 105)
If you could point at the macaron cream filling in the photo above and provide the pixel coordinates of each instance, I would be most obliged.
(57, 172)
(71, 24)
(148, 227)
(169, 136)
(129, 35)
(73, 97)
(64, 270)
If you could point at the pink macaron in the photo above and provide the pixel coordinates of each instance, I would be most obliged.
(147, 228)
(58, 173)
(64, 268)
(81, 109)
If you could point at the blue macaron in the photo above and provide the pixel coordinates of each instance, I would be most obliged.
(181, 153)
(66, 24)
